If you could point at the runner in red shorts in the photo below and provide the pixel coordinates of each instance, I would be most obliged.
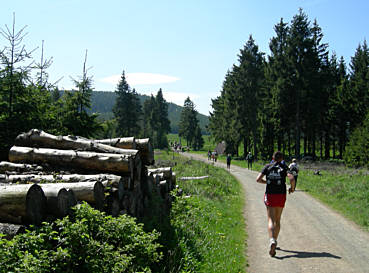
(275, 195)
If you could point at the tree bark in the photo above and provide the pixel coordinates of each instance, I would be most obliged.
(22, 204)
(95, 162)
(90, 192)
(15, 167)
(68, 178)
(40, 139)
(146, 150)
(10, 230)
(142, 145)
(59, 201)
(123, 143)
(167, 172)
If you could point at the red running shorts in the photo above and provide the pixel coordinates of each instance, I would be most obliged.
(274, 199)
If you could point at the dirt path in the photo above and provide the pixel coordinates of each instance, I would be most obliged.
(313, 238)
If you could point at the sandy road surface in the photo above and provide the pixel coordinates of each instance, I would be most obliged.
(313, 238)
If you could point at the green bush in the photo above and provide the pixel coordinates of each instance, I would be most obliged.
(89, 241)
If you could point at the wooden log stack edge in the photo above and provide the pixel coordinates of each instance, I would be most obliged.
(47, 175)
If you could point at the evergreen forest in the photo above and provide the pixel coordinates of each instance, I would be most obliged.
(301, 99)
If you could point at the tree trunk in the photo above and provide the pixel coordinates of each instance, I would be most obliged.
(245, 150)
(146, 150)
(166, 172)
(69, 178)
(40, 139)
(22, 204)
(123, 143)
(10, 230)
(90, 192)
(59, 201)
(95, 162)
(144, 147)
(14, 167)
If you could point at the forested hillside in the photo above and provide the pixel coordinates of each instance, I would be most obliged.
(103, 102)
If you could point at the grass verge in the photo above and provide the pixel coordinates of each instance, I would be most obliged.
(346, 192)
(207, 220)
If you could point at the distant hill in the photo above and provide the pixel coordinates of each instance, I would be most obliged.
(103, 102)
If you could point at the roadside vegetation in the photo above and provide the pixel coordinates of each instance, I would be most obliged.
(344, 189)
(208, 229)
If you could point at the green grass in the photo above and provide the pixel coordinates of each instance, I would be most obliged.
(348, 193)
(207, 219)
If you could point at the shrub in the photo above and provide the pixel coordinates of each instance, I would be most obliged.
(357, 150)
(89, 241)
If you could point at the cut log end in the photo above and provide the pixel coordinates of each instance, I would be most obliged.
(99, 196)
(35, 205)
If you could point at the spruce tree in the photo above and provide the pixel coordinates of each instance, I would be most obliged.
(149, 118)
(359, 84)
(188, 122)
(127, 109)
(163, 123)
(249, 77)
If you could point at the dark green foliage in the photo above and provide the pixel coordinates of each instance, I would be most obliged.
(74, 118)
(90, 242)
(156, 123)
(189, 125)
(103, 103)
(127, 109)
(356, 153)
(298, 100)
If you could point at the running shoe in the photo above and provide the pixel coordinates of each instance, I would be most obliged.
(272, 246)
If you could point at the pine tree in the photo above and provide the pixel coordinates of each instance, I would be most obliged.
(188, 122)
(163, 123)
(127, 109)
(277, 94)
(149, 118)
(359, 84)
(249, 77)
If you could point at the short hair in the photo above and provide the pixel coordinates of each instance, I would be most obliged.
(278, 156)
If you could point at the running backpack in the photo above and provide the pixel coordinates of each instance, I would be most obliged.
(274, 175)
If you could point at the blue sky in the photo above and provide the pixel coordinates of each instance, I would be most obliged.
(184, 47)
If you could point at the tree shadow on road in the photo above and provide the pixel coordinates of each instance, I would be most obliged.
(305, 254)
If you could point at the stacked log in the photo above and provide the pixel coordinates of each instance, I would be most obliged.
(47, 175)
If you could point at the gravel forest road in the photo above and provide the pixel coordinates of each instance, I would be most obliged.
(313, 237)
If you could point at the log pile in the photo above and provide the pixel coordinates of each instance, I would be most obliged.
(48, 174)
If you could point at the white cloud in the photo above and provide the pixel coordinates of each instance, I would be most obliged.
(135, 79)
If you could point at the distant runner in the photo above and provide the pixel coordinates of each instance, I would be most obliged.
(249, 159)
(229, 158)
(294, 169)
(275, 195)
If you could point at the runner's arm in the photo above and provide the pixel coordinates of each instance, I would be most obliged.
(292, 182)
(260, 179)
